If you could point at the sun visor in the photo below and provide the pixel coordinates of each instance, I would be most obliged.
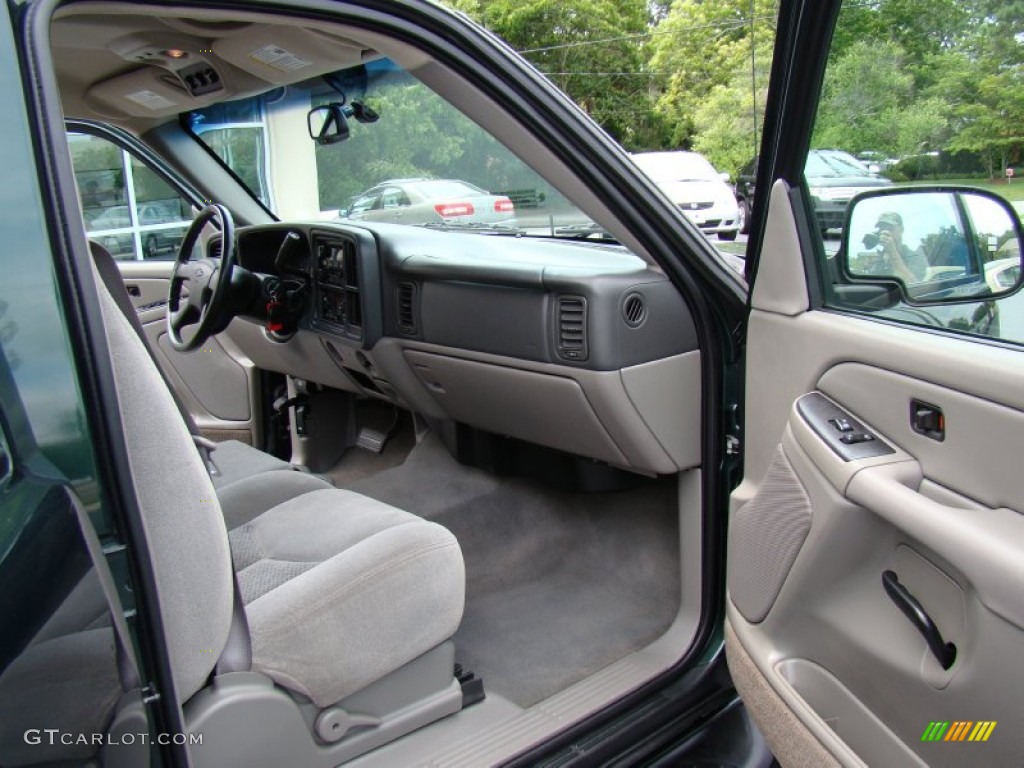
(284, 55)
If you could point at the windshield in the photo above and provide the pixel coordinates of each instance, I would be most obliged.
(410, 158)
(667, 167)
(822, 163)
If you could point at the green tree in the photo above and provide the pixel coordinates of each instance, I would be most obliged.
(700, 46)
(592, 49)
(921, 28)
(870, 102)
(986, 86)
(726, 122)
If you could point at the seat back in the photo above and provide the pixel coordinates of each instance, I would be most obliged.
(181, 516)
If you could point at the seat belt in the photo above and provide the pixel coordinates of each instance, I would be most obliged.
(127, 667)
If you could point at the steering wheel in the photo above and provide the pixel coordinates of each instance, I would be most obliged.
(207, 281)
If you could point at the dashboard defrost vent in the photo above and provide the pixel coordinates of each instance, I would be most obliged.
(407, 308)
(634, 310)
(572, 328)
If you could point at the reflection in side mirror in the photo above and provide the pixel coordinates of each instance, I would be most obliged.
(328, 124)
(941, 244)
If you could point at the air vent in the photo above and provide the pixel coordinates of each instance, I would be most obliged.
(213, 249)
(572, 328)
(407, 308)
(634, 310)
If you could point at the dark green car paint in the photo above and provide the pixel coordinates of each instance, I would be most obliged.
(43, 416)
(32, 324)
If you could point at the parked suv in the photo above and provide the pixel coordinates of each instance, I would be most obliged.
(833, 177)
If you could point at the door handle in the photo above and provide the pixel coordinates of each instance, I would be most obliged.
(133, 290)
(945, 653)
(983, 545)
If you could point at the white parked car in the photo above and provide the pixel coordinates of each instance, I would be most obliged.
(696, 187)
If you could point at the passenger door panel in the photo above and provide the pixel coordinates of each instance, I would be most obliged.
(811, 535)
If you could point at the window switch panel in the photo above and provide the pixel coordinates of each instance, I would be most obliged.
(842, 432)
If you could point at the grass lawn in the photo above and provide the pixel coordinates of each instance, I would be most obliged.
(1013, 191)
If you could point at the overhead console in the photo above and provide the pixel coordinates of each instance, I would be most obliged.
(142, 66)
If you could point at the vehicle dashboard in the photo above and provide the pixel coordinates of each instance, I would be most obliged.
(576, 346)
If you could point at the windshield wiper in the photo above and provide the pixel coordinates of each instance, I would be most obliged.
(592, 231)
(479, 227)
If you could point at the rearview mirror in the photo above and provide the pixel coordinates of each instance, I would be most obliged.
(940, 244)
(328, 124)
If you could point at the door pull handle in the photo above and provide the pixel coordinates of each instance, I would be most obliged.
(945, 653)
(133, 290)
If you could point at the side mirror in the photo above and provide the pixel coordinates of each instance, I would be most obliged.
(941, 245)
(328, 124)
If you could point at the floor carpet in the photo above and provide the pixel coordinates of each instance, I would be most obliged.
(558, 585)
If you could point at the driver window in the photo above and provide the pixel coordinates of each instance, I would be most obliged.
(126, 206)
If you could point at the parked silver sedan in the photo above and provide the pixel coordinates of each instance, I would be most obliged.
(432, 202)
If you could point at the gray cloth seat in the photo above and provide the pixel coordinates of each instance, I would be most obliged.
(330, 613)
(339, 589)
(234, 459)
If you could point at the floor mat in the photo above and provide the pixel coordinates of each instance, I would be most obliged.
(357, 463)
(558, 585)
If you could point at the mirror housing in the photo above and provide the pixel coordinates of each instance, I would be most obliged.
(938, 244)
(328, 123)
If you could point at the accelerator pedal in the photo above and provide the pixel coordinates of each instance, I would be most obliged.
(374, 435)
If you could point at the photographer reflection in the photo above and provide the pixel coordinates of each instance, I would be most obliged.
(893, 257)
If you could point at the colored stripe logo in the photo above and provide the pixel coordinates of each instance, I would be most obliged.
(958, 730)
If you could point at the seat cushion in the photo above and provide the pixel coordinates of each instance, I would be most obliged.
(341, 589)
(249, 497)
(237, 460)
